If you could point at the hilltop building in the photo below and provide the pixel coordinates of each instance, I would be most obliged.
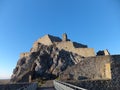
(65, 44)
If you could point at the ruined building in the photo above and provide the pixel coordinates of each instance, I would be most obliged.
(52, 57)
(65, 44)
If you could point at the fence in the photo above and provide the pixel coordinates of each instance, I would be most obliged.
(65, 86)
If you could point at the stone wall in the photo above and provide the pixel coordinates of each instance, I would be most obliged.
(68, 46)
(45, 40)
(101, 83)
(89, 68)
(86, 52)
(25, 54)
(12, 86)
(103, 52)
(79, 45)
(95, 84)
(115, 69)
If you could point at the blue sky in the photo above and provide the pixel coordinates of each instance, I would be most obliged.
(92, 22)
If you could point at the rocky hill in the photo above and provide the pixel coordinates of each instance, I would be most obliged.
(51, 56)
(43, 61)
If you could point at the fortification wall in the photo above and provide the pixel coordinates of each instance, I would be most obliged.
(115, 69)
(90, 68)
(25, 54)
(86, 52)
(74, 47)
(68, 46)
(103, 52)
(35, 45)
(95, 84)
(45, 40)
(102, 83)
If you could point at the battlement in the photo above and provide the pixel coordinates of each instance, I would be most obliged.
(65, 44)
(78, 49)
(103, 52)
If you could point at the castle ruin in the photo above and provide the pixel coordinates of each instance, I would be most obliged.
(77, 48)
(75, 60)
(65, 44)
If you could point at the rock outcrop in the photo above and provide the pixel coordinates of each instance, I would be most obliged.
(51, 57)
(48, 57)
(44, 61)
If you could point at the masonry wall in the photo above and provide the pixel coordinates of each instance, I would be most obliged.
(89, 68)
(86, 52)
(25, 54)
(45, 40)
(68, 46)
(95, 84)
(103, 83)
(115, 69)
(12, 86)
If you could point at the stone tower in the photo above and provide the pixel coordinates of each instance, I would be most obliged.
(64, 37)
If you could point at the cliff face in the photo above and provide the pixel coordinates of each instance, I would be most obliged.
(43, 61)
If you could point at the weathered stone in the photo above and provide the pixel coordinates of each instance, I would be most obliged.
(21, 61)
(64, 37)
(15, 70)
(65, 44)
(45, 61)
(90, 68)
(51, 57)
(103, 52)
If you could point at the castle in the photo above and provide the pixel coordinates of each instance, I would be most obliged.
(101, 67)
(104, 70)
(65, 44)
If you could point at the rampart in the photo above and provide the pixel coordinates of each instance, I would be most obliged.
(65, 44)
(102, 73)
(90, 68)
(68, 46)
(45, 40)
